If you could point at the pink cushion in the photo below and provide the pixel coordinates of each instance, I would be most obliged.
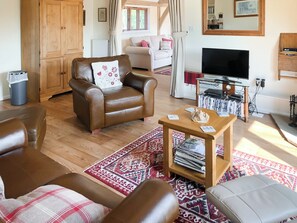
(144, 43)
(169, 40)
(51, 203)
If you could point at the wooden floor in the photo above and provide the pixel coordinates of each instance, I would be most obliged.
(68, 142)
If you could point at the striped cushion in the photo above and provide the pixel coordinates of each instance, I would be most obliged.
(51, 203)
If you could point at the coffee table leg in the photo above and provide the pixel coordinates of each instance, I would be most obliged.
(228, 145)
(167, 147)
(211, 163)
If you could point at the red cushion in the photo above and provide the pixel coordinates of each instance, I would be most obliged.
(144, 43)
(170, 40)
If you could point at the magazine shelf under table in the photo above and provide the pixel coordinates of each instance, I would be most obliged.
(221, 167)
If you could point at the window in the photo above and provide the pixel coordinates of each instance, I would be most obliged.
(134, 18)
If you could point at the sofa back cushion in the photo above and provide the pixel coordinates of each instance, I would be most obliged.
(156, 41)
(82, 68)
(136, 41)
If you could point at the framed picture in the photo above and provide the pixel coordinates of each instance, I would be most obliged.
(244, 8)
(102, 14)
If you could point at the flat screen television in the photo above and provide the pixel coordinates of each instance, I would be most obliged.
(225, 63)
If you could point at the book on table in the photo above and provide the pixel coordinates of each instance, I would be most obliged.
(191, 154)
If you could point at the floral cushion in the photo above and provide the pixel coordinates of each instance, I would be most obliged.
(51, 203)
(106, 74)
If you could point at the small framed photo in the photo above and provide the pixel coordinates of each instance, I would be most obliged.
(102, 14)
(244, 8)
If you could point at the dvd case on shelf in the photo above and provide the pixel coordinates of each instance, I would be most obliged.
(235, 107)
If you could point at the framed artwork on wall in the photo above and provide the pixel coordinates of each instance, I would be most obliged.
(102, 14)
(244, 8)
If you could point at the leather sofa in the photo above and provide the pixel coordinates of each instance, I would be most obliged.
(98, 108)
(23, 169)
(33, 117)
(151, 57)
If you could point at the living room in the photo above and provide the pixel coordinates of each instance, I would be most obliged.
(259, 136)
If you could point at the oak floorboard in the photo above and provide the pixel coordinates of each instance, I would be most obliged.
(68, 142)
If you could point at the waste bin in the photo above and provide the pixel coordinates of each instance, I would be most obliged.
(18, 87)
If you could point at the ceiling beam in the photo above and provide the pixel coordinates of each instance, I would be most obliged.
(163, 2)
(143, 3)
(124, 3)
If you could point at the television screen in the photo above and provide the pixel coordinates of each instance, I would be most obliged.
(225, 62)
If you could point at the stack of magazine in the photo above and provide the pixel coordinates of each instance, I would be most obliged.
(191, 154)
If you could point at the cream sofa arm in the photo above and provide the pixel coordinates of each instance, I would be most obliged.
(139, 50)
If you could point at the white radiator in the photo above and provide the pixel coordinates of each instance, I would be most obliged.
(99, 48)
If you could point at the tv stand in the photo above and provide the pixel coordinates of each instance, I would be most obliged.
(226, 80)
(228, 92)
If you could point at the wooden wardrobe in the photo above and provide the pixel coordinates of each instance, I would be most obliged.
(51, 37)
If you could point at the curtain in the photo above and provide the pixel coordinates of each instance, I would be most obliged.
(176, 13)
(114, 17)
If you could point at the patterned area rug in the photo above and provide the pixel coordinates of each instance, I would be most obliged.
(142, 159)
(163, 71)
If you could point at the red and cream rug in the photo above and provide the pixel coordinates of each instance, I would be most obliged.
(142, 159)
(163, 71)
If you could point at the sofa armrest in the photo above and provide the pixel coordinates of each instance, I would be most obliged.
(139, 50)
(88, 103)
(146, 85)
(89, 189)
(13, 135)
(83, 87)
(152, 201)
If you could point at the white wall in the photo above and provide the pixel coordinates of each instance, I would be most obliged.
(100, 28)
(88, 29)
(94, 29)
(234, 23)
(10, 42)
(280, 17)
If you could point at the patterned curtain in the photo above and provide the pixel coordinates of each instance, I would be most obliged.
(114, 16)
(176, 13)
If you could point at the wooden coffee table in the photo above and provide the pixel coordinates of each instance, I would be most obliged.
(215, 166)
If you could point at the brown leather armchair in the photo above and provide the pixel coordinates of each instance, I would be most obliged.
(98, 108)
(23, 169)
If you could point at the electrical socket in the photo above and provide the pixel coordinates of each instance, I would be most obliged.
(262, 83)
(258, 81)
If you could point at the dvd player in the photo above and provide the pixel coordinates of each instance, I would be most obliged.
(214, 92)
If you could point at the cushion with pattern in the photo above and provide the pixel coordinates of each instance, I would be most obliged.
(106, 74)
(52, 203)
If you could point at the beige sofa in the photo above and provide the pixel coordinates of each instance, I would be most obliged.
(151, 57)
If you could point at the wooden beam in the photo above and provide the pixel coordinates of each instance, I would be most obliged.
(124, 3)
(163, 3)
(143, 3)
(162, 18)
